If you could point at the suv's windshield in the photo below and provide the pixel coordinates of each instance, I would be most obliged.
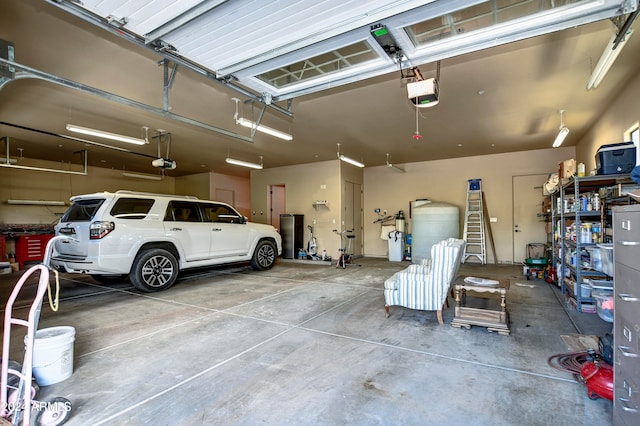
(82, 210)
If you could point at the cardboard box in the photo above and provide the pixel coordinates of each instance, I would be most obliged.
(567, 168)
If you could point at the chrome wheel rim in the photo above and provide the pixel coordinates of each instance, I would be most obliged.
(266, 255)
(157, 271)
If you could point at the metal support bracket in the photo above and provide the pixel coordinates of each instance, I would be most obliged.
(169, 77)
(28, 72)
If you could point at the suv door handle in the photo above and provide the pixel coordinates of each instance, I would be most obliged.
(216, 229)
(176, 229)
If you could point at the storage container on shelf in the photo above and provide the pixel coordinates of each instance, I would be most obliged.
(616, 158)
(602, 258)
(606, 285)
(604, 304)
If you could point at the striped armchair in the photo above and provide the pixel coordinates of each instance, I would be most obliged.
(425, 286)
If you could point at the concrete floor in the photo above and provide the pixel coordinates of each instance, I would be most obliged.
(310, 344)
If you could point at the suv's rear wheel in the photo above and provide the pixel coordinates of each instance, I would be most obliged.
(264, 256)
(154, 270)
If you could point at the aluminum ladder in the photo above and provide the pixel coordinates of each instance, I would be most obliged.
(474, 223)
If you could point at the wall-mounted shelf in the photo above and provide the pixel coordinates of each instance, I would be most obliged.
(320, 204)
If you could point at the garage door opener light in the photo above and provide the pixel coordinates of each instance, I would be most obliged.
(109, 135)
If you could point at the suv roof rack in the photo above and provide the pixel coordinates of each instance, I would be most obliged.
(124, 191)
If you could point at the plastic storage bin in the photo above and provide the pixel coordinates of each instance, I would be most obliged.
(604, 304)
(616, 158)
(602, 258)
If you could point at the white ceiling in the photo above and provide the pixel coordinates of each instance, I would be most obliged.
(501, 92)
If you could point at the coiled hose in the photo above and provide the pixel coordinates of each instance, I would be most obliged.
(572, 362)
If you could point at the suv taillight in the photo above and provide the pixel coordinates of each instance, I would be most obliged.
(100, 229)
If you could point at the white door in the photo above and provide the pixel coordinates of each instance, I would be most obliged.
(353, 215)
(276, 205)
(528, 224)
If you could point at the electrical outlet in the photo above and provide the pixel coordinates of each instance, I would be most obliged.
(493, 219)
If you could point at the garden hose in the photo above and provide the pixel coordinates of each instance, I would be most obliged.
(54, 303)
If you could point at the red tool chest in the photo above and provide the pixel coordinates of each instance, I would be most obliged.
(30, 248)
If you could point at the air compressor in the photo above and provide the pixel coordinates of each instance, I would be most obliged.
(597, 375)
(589, 368)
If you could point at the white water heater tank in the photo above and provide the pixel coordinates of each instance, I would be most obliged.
(431, 222)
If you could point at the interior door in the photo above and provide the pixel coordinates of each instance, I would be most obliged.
(353, 214)
(528, 225)
(276, 204)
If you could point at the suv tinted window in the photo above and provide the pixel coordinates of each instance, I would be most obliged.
(220, 213)
(131, 208)
(82, 210)
(182, 211)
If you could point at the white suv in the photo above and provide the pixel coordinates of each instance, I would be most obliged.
(151, 237)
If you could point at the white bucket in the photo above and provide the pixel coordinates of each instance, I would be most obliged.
(53, 354)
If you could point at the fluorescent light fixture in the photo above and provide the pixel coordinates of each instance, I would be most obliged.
(606, 60)
(36, 202)
(560, 138)
(245, 163)
(264, 129)
(347, 159)
(350, 160)
(259, 127)
(106, 135)
(562, 133)
(142, 176)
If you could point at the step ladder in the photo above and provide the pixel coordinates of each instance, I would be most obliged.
(474, 223)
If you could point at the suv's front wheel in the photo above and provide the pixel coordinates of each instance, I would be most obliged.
(264, 256)
(154, 270)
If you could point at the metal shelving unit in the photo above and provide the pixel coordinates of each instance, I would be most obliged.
(573, 269)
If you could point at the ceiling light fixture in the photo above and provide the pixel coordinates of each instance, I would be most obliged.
(36, 202)
(257, 126)
(348, 160)
(264, 129)
(108, 135)
(391, 166)
(245, 163)
(141, 176)
(562, 133)
(607, 59)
